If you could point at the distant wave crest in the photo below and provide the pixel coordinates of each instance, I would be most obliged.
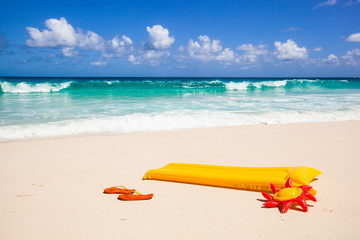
(292, 84)
(23, 87)
(178, 85)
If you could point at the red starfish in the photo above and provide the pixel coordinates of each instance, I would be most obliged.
(287, 196)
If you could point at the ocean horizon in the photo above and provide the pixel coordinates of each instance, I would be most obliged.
(32, 107)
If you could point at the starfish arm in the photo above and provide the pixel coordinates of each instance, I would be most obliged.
(306, 187)
(310, 196)
(270, 204)
(285, 207)
(274, 188)
(267, 196)
(302, 204)
(288, 183)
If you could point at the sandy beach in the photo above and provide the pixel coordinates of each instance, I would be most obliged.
(52, 188)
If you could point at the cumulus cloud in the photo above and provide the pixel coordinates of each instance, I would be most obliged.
(153, 54)
(331, 59)
(118, 47)
(326, 3)
(69, 52)
(159, 38)
(153, 57)
(133, 59)
(204, 49)
(60, 33)
(289, 51)
(91, 40)
(155, 50)
(227, 56)
(318, 49)
(355, 37)
(253, 53)
(352, 57)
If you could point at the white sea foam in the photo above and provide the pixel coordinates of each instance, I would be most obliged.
(166, 121)
(243, 86)
(281, 83)
(215, 81)
(23, 87)
(112, 82)
(240, 86)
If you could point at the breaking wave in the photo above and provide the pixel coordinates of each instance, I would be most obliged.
(176, 85)
(24, 87)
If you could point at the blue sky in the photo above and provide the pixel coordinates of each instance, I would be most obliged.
(318, 38)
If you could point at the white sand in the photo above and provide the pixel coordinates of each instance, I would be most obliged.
(52, 188)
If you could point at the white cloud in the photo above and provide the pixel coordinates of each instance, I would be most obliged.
(252, 53)
(227, 56)
(326, 3)
(133, 59)
(159, 38)
(289, 51)
(153, 57)
(69, 52)
(59, 33)
(331, 59)
(318, 49)
(98, 63)
(204, 49)
(118, 47)
(155, 49)
(352, 57)
(91, 40)
(355, 37)
(153, 54)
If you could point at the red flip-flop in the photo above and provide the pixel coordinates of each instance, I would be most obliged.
(134, 197)
(119, 190)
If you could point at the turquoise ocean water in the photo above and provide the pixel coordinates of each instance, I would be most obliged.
(43, 107)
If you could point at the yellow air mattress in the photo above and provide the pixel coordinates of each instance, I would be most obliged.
(246, 178)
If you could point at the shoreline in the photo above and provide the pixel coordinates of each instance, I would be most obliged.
(52, 188)
(107, 134)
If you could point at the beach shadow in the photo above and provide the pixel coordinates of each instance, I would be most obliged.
(294, 206)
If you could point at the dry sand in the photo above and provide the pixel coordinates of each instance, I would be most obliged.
(52, 188)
